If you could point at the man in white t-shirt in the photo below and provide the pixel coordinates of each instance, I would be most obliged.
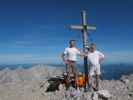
(94, 58)
(70, 56)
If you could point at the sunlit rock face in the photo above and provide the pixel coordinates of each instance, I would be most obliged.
(31, 84)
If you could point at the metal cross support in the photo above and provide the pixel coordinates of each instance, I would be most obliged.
(84, 28)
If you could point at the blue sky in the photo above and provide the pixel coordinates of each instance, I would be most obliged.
(34, 31)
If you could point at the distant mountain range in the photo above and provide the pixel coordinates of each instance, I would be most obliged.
(109, 71)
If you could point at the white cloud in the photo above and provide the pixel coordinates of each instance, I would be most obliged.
(25, 58)
(125, 57)
(114, 57)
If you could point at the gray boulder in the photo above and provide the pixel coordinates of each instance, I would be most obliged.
(104, 94)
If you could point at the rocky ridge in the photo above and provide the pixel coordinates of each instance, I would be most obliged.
(31, 84)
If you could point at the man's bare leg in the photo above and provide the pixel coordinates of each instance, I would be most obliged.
(97, 81)
(74, 71)
(68, 74)
(67, 68)
(93, 82)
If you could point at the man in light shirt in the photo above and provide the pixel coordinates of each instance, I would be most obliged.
(94, 58)
(70, 56)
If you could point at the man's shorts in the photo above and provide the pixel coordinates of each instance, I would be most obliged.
(95, 70)
(71, 66)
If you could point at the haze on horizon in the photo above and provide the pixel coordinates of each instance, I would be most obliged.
(34, 31)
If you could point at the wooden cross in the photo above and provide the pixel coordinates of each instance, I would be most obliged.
(84, 28)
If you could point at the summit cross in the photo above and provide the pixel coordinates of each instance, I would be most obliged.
(84, 28)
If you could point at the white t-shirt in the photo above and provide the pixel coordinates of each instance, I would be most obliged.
(71, 53)
(94, 58)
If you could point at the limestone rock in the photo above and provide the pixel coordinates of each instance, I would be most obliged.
(31, 84)
(104, 94)
(95, 96)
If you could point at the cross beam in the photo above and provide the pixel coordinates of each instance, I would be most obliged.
(84, 28)
(81, 27)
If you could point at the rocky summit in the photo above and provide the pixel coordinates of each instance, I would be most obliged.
(31, 84)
